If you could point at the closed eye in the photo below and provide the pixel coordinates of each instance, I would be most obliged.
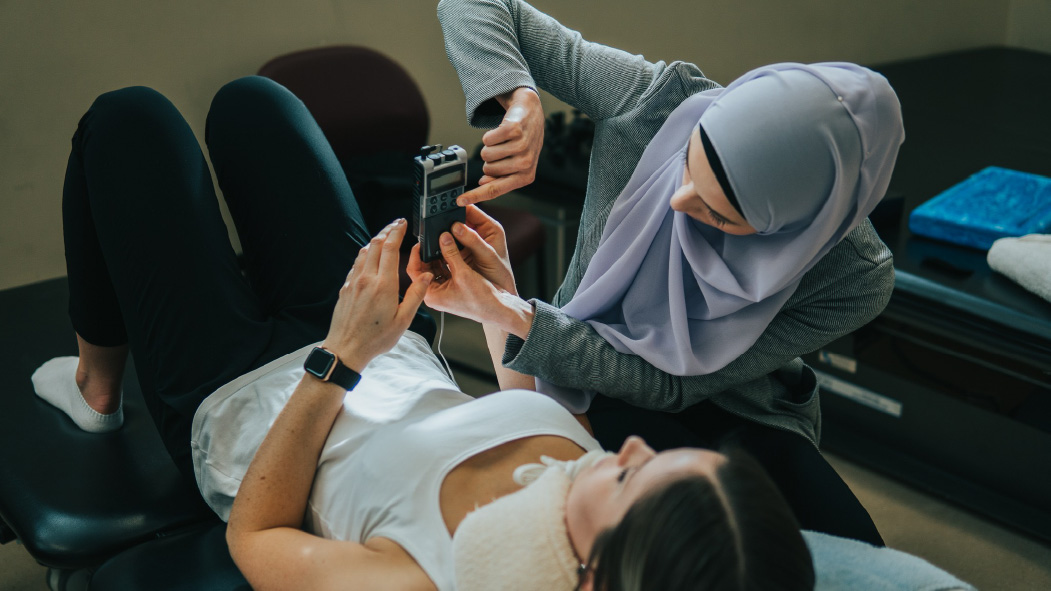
(718, 219)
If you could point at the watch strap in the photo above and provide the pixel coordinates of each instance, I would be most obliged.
(344, 376)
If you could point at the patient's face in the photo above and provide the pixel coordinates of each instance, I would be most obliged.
(603, 493)
(702, 198)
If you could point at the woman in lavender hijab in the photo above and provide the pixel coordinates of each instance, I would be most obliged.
(724, 234)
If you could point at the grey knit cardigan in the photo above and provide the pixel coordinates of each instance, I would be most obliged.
(499, 45)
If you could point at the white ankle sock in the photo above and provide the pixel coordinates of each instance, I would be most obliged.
(55, 382)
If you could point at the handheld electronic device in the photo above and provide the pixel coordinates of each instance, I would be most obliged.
(441, 177)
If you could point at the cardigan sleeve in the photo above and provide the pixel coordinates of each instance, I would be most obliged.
(499, 45)
(848, 288)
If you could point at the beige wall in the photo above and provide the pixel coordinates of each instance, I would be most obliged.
(56, 56)
(1029, 25)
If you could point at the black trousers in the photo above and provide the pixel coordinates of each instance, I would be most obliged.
(148, 255)
(818, 497)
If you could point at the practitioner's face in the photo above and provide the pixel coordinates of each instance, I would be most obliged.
(700, 195)
(603, 493)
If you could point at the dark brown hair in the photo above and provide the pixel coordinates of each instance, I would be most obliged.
(730, 533)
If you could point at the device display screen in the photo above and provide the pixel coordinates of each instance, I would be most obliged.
(446, 179)
(318, 364)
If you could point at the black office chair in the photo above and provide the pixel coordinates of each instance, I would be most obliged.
(376, 120)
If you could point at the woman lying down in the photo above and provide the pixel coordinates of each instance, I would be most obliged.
(396, 480)
(407, 483)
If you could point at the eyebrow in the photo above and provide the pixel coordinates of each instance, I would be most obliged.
(714, 213)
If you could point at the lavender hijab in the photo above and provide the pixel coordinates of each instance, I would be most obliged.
(808, 150)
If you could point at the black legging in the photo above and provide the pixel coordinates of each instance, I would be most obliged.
(819, 498)
(149, 259)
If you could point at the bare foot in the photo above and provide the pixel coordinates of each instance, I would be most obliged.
(99, 375)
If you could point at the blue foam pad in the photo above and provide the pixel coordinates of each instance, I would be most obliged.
(994, 203)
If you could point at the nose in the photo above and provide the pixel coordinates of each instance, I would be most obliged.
(634, 449)
(678, 200)
(681, 195)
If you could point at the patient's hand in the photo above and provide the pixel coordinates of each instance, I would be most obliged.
(368, 320)
(511, 150)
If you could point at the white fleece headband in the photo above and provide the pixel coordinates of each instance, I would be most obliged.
(519, 542)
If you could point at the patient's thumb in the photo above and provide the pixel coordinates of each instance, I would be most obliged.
(414, 295)
(419, 287)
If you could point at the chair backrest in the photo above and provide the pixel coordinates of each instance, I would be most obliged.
(364, 101)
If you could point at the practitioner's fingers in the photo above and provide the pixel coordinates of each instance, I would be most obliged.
(510, 129)
(473, 242)
(506, 166)
(488, 228)
(486, 254)
(497, 152)
(415, 267)
(477, 218)
(451, 254)
(512, 149)
(491, 190)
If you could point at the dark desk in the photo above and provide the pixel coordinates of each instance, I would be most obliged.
(950, 388)
(963, 112)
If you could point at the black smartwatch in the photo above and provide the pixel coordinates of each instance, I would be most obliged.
(324, 365)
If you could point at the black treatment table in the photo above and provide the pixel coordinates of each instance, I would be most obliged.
(102, 511)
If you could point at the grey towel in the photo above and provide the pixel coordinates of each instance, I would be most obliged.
(842, 564)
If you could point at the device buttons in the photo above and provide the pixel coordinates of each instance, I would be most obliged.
(449, 155)
(437, 158)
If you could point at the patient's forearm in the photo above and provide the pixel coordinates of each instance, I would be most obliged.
(276, 487)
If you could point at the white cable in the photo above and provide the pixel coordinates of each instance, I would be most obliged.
(441, 331)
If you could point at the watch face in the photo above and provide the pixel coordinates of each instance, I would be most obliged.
(319, 362)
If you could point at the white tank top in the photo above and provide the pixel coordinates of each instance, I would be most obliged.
(403, 429)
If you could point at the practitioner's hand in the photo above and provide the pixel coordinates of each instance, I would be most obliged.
(368, 320)
(511, 150)
(485, 248)
(461, 290)
(484, 251)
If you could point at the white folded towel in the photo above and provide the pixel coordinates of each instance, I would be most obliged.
(1026, 261)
